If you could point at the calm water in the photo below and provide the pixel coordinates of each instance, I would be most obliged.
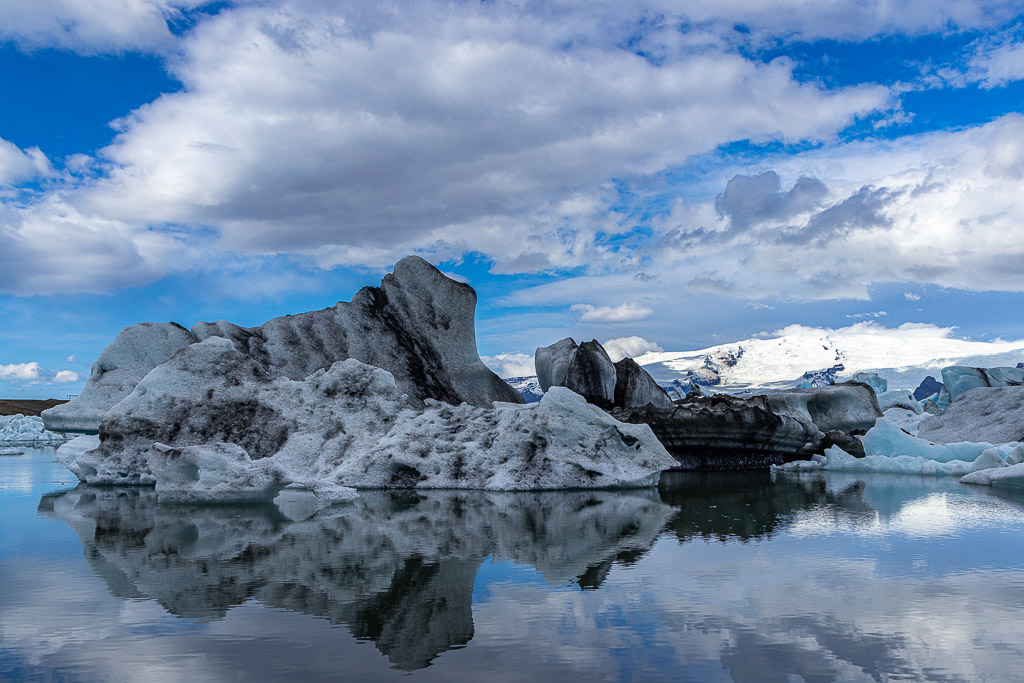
(712, 577)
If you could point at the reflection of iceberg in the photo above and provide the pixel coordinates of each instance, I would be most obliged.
(748, 505)
(395, 567)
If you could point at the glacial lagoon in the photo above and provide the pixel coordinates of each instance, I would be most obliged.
(710, 577)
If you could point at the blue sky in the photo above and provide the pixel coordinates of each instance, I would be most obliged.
(600, 169)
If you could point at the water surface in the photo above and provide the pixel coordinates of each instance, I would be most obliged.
(726, 576)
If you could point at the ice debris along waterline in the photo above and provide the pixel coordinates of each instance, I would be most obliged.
(19, 430)
(210, 424)
(890, 449)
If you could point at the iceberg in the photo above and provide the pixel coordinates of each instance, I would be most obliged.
(588, 370)
(847, 407)
(899, 398)
(418, 325)
(634, 388)
(349, 426)
(879, 384)
(958, 379)
(837, 459)
(994, 414)
(887, 439)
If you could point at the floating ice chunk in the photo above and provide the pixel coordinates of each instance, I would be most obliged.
(839, 459)
(815, 463)
(1011, 477)
(877, 383)
(19, 430)
(301, 501)
(887, 439)
(11, 451)
(899, 398)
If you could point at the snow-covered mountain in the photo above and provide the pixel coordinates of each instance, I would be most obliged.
(528, 387)
(904, 356)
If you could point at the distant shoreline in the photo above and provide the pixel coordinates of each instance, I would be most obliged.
(27, 406)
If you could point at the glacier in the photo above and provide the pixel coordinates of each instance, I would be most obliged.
(903, 356)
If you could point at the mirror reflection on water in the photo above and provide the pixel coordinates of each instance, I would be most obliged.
(719, 576)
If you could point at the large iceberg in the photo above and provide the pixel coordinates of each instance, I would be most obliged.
(724, 432)
(349, 425)
(994, 414)
(958, 379)
(847, 407)
(588, 370)
(418, 325)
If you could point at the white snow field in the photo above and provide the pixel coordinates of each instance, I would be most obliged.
(903, 356)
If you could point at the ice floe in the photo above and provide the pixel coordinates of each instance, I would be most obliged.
(21, 430)
(1000, 477)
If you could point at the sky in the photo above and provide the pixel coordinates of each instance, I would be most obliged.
(684, 173)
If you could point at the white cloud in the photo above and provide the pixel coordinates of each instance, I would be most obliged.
(910, 296)
(623, 313)
(997, 66)
(629, 347)
(940, 208)
(32, 373)
(18, 166)
(354, 135)
(92, 26)
(24, 372)
(511, 364)
(52, 246)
